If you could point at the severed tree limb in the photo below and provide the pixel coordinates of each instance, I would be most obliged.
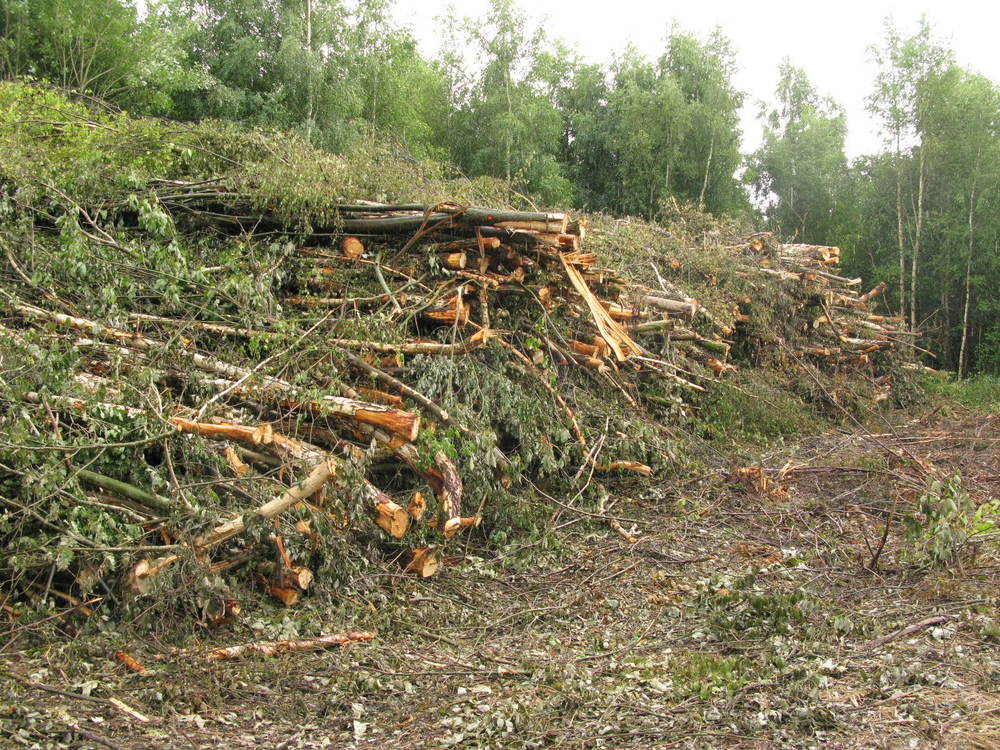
(322, 473)
(480, 337)
(401, 347)
(401, 422)
(908, 630)
(424, 561)
(403, 388)
(451, 490)
(273, 648)
(612, 332)
(147, 499)
(390, 516)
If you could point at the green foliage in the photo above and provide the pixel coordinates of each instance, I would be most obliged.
(757, 409)
(980, 393)
(946, 522)
(707, 676)
(643, 132)
(800, 171)
(742, 609)
(502, 121)
(100, 47)
(505, 101)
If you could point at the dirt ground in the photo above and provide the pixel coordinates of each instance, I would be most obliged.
(783, 608)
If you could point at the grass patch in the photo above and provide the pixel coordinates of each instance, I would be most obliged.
(754, 409)
(981, 393)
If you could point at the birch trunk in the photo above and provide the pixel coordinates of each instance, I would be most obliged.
(922, 179)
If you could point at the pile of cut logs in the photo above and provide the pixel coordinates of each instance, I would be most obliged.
(449, 272)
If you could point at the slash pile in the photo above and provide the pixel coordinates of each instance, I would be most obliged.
(210, 375)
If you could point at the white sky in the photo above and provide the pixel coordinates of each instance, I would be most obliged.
(830, 40)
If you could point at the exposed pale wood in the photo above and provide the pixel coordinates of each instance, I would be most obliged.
(392, 518)
(631, 466)
(453, 525)
(869, 296)
(288, 576)
(417, 506)
(452, 311)
(287, 596)
(273, 648)
(142, 573)
(612, 332)
(352, 247)
(287, 448)
(424, 561)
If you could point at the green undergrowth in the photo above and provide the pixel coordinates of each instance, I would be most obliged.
(753, 408)
(980, 393)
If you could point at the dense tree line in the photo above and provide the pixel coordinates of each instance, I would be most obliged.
(921, 214)
(508, 100)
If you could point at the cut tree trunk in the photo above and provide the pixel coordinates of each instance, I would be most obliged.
(402, 423)
(392, 518)
(451, 487)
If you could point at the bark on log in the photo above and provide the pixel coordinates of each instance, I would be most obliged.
(687, 309)
(655, 326)
(451, 487)
(403, 423)
(296, 452)
(457, 218)
(471, 243)
(124, 489)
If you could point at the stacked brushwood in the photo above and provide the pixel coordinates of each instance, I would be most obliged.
(213, 375)
(840, 327)
(483, 258)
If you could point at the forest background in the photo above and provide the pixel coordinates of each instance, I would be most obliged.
(634, 137)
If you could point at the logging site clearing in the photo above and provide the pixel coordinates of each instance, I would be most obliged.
(307, 450)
